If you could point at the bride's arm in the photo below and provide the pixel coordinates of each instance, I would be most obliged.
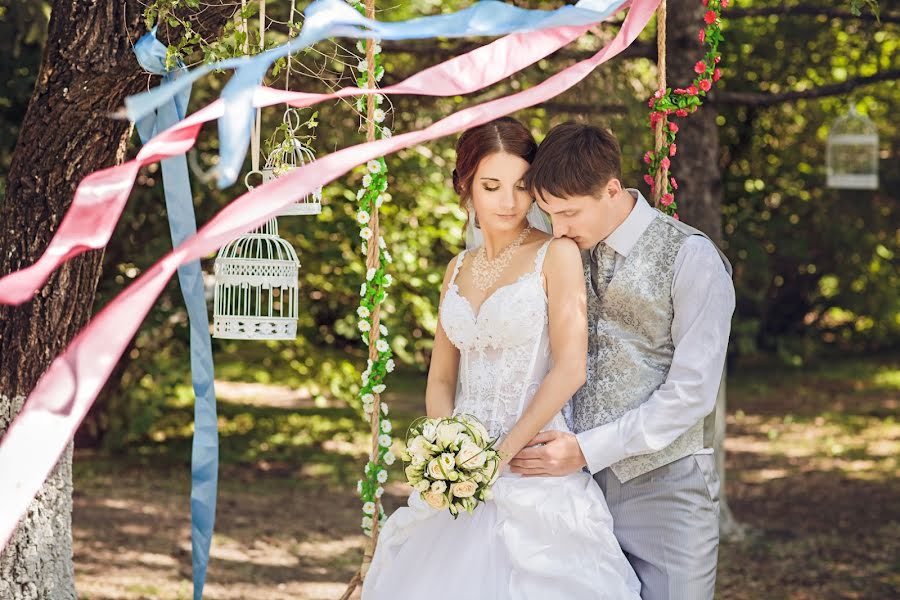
(444, 368)
(568, 344)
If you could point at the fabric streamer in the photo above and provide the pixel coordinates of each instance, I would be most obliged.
(101, 196)
(151, 55)
(66, 391)
(335, 18)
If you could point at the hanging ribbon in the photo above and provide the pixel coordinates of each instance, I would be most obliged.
(101, 196)
(67, 389)
(151, 55)
(335, 18)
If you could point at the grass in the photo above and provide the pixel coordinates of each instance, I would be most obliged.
(812, 473)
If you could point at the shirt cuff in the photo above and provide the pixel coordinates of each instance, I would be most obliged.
(601, 447)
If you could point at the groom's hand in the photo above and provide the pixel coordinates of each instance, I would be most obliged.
(559, 455)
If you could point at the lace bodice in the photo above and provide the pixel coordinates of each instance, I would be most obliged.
(504, 349)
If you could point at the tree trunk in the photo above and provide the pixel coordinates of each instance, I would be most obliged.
(699, 181)
(86, 72)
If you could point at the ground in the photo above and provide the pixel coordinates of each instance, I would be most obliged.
(812, 474)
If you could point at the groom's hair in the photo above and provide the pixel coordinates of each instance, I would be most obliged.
(574, 160)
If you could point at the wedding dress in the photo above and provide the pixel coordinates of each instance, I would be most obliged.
(539, 538)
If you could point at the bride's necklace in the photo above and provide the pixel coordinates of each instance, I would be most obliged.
(486, 272)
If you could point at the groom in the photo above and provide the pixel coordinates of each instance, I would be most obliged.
(660, 301)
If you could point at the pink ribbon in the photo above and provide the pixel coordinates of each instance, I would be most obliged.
(65, 392)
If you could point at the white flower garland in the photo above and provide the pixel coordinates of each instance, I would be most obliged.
(372, 294)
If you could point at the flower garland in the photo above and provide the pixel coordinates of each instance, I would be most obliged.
(681, 102)
(373, 292)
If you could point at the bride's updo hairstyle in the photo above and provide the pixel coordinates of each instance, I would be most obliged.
(500, 135)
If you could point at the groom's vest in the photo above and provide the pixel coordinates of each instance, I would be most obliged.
(630, 343)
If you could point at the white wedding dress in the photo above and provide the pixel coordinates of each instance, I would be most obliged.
(540, 538)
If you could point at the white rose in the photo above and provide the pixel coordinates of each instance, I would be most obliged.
(367, 523)
(389, 458)
(434, 469)
(463, 489)
(367, 180)
(384, 408)
(362, 290)
(364, 326)
(422, 486)
(363, 217)
(365, 233)
(388, 280)
(370, 274)
(384, 440)
(369, 507)
(382, 346)
(429, 431)
(382, 476)
(386, 426)
(435, 500)
(378, 388)
(470, 456)
(363, 65)
(361, 193)
(439, 486)
(363, 312)
(389, 365)
(374, 166)
(447, 432)
(379, 492)
(386, 133)
(378, 115)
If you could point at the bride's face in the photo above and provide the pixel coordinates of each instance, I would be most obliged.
(498, 192)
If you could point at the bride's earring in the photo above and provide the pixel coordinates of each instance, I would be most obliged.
(471, 208)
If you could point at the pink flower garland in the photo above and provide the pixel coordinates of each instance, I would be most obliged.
(681, 102)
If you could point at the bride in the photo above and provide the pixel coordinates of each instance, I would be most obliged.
(510, 348)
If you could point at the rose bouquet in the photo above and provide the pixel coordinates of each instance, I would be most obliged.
(451, 462)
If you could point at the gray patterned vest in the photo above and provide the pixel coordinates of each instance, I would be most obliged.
(630, 343)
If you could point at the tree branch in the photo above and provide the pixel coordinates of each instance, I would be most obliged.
(764, 99)
(810, 11)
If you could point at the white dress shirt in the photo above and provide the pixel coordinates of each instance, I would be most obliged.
(703, 301)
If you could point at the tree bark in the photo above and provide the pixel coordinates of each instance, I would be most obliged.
(696, 167)
(87, 70)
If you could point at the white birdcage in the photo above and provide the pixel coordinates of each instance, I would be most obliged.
(288, 154)
(852, 153)
(256, 295)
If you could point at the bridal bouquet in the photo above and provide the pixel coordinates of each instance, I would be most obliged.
(452, 462)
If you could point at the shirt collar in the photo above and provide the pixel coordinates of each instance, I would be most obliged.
(624, 237)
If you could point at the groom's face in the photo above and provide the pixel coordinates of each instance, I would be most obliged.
(579, 218)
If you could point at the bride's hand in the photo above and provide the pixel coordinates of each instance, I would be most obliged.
(560, 454)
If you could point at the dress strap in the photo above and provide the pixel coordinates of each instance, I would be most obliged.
(459, 261)
(541, 254)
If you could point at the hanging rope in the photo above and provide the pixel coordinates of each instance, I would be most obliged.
(661, 126)
(372, 262)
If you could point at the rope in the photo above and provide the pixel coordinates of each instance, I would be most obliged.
(372, 259)
(662, 174)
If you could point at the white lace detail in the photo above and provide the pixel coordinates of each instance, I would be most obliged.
(504, 349)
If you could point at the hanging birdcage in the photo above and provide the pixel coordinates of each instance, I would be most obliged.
(289, 152)
(852, 153)
(256, 291)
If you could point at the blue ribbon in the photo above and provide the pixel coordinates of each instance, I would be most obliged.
(335, 18)
(151, 55)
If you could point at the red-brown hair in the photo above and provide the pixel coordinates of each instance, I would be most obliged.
(500, 135)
